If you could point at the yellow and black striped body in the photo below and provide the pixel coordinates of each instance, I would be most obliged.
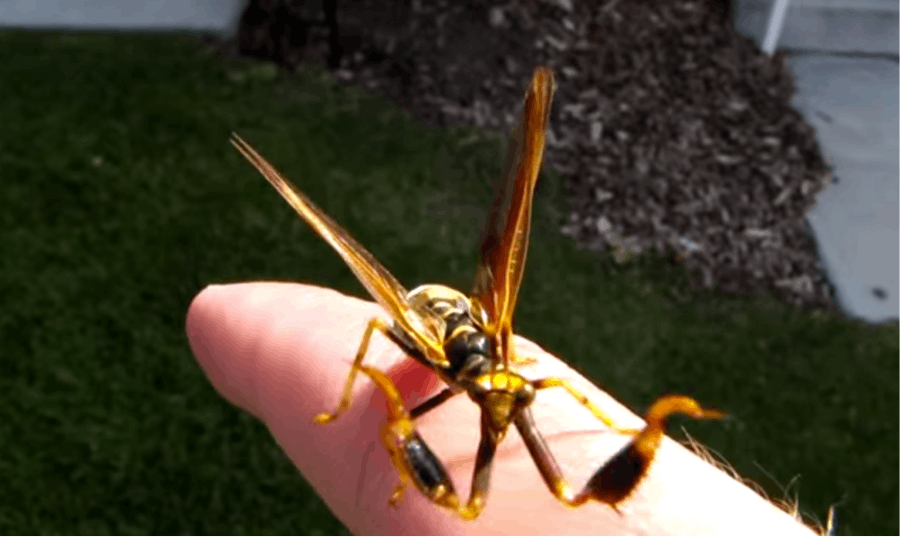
(467, 340)
(466, 348)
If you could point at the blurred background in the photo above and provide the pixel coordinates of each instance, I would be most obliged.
(717, 217)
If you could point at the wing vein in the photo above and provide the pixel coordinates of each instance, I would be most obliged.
(383, 287)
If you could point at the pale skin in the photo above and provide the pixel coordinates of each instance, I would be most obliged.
(282, 352)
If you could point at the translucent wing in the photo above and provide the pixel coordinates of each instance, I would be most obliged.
(383, 287)
(505, 241)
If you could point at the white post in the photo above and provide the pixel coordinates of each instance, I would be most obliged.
(773, 29)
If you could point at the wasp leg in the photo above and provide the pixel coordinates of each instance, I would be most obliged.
(831, 525)
(409, 454)
(414, 460)
(618, 478)
(398, 492)
(522, 360)
(544, 459)
(432, 403)
(481, 477)
(344, 404)
(554, 382)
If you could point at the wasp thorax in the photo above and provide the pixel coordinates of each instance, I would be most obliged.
(465, 346)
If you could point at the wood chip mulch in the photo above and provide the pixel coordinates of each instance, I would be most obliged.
(672, 131)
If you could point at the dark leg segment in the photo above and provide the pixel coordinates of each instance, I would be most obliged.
(619, 477)
(432, 403)
(415, 461)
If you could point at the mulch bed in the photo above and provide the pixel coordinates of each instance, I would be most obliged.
(672, 131)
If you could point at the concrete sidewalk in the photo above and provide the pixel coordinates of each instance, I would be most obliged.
(852, 103)
(844, 56)
(216, 16)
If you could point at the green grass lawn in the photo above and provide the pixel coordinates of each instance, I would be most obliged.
(122, 198)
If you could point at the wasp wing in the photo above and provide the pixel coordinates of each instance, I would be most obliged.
(387, 291)
(505, 242)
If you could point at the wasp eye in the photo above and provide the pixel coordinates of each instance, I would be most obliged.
(525, 394)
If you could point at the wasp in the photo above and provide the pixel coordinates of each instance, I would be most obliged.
(467, 340)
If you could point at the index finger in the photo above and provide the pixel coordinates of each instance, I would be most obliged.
(282, 352)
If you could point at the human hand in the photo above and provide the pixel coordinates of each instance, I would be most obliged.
(282, 352)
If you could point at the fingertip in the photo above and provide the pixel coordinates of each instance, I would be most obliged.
(210, 327)
(278, 350)
(244, 333)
